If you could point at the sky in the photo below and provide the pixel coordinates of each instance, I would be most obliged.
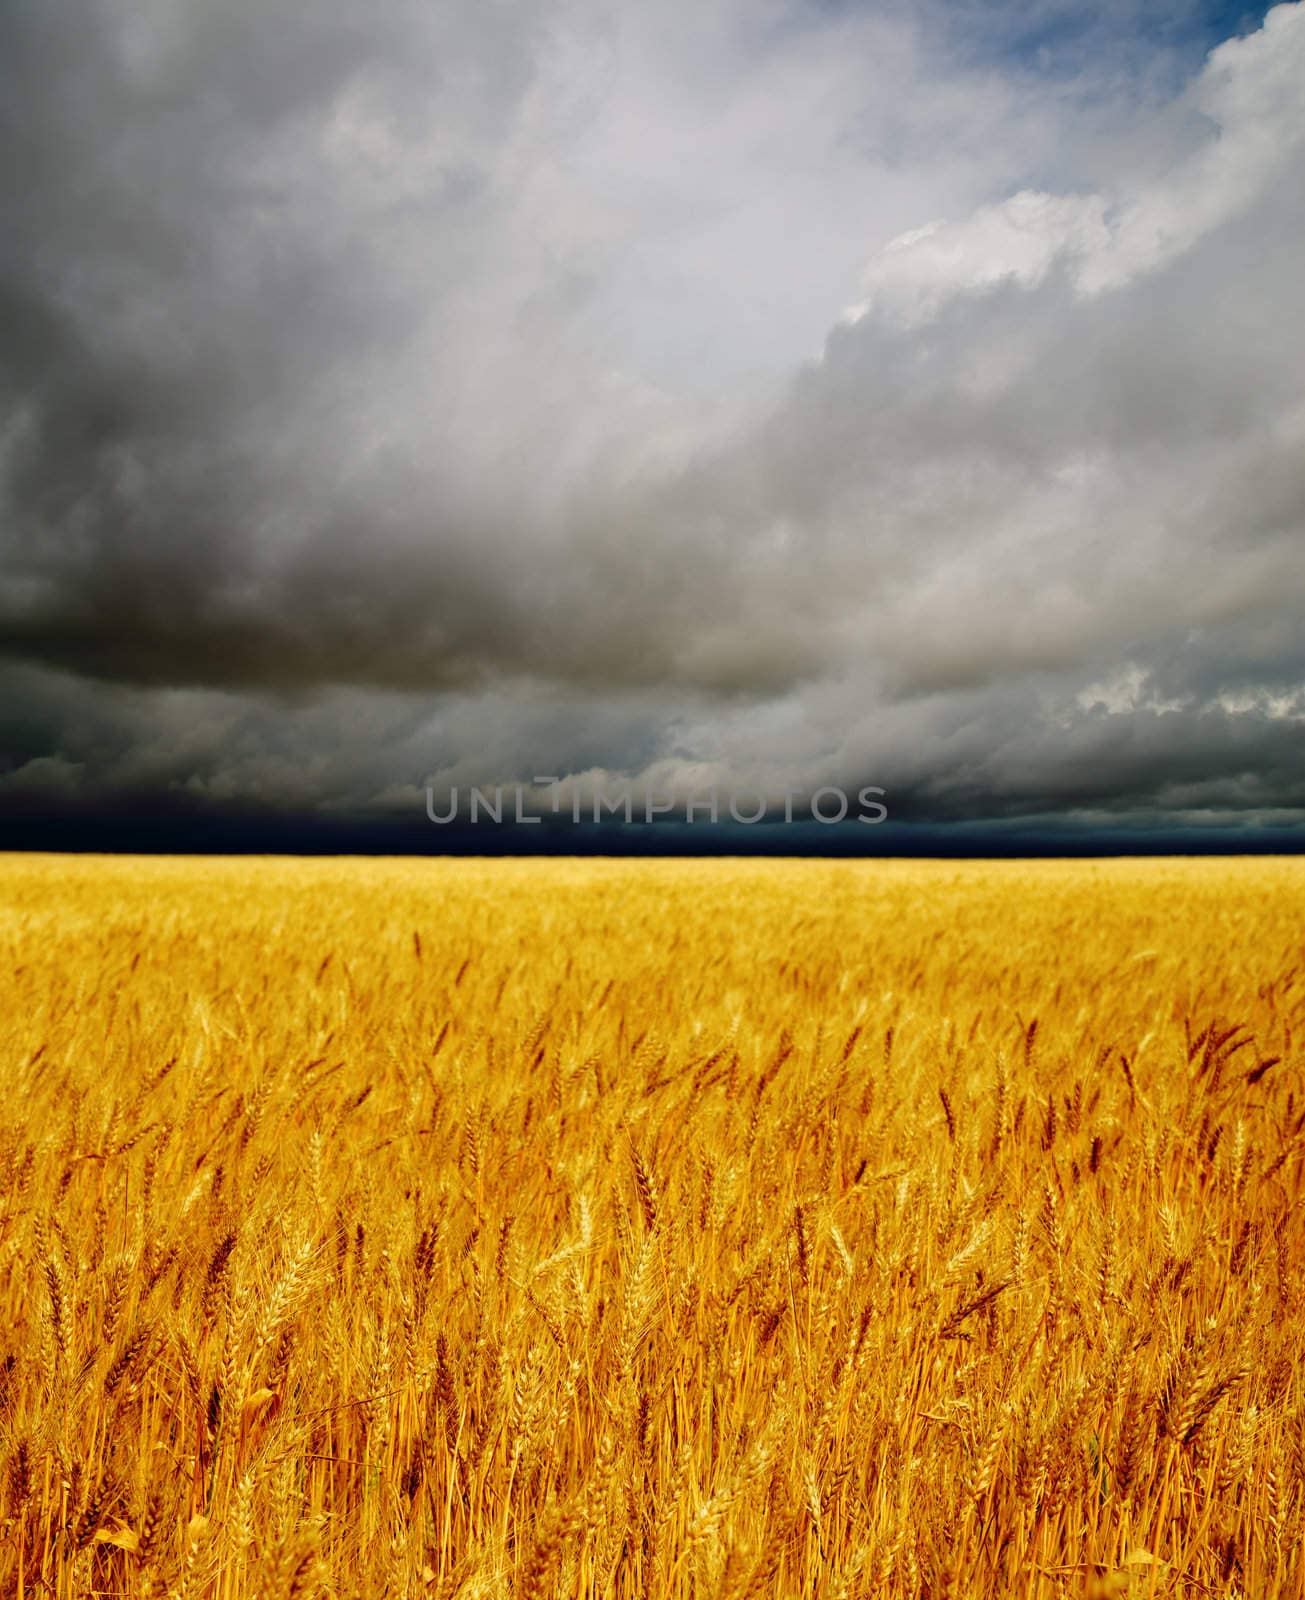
(759, 395)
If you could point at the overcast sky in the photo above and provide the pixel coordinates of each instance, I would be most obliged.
(772, 393)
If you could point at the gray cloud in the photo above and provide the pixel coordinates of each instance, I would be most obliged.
(428, 398)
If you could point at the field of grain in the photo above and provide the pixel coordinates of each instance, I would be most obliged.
(710, 1229)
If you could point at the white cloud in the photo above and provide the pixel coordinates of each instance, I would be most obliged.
(1016, 242)
(1249, 95)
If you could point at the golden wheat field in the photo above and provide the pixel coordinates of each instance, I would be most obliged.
(712, 1229)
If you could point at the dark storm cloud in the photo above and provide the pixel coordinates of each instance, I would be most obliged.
(1170, 763)
(372, 411)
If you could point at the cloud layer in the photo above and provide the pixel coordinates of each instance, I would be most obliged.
(790, 396)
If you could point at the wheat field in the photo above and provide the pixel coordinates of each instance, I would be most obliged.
(651, 1229)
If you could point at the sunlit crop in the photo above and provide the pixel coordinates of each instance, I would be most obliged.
(710, 1229)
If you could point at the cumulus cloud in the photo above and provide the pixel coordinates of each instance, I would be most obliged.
(434, 399)
(1248, 98)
